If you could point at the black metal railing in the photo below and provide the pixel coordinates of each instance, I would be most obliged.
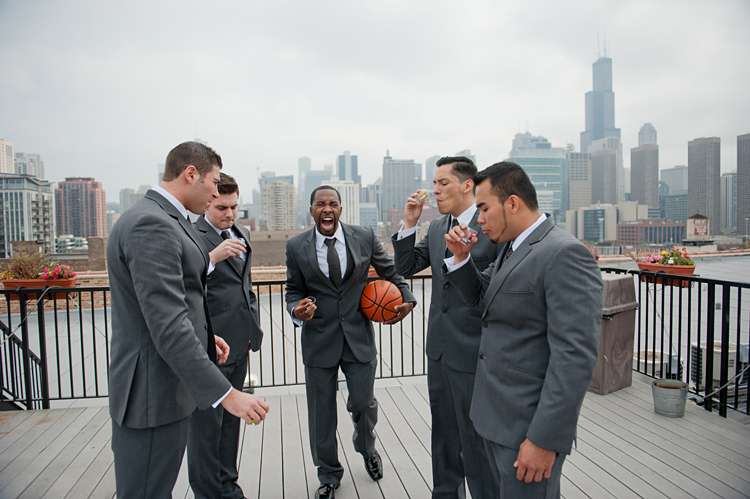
(58, 349)
(691, 328)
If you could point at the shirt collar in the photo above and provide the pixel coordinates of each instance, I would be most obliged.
(218, 230)
(467, 216)
(169, 197)
(520, 239)
(320, 239)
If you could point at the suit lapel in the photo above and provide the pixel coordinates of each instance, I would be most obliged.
(187, 226)
(501, 272)
(245, 234)
(352, 245)
(312, 258)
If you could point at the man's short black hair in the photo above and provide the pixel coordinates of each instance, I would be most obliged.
(507, 179)
(227, 184)
(463, 168)
(322, 188)
(202, 157)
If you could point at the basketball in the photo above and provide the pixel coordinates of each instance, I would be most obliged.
(379, 300)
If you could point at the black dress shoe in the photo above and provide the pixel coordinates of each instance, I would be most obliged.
(326, 491)
(374, 466)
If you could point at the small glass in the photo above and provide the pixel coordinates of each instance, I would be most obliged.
(471, 234)
(422, 196)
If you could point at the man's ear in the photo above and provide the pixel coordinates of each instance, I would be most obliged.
(514, 203)
(468, 186)
(190, 174)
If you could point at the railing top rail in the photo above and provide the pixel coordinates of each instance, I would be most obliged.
(693, 278)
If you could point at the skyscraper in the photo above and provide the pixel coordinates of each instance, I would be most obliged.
(579, 173)
(430, 165)
(704, 176)
(29, 164)
(349, 200)
(81, 207)
(27, 211)
(466, 153)
(676, 178)
(547, 168)
(644, 174)
(647, 134)
(743, 184)
(348, 169)
(279, 200)
(728, 194)
(398, 183)
(600, 106)
(128, 197)
(7, 157)
(606, 167)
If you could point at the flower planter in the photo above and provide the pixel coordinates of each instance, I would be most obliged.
(38, 284)
(667, 269)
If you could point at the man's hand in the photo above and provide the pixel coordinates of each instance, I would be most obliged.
(453, 242)
(403, 311)
(247, 407)
(412, 211)
(305, 309)
(222, 349)
(533, 462)
(228, 248)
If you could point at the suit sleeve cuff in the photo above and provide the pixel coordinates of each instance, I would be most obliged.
(402, 233)
(216, 404)
(451, 265)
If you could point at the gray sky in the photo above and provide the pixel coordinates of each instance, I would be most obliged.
(106, 89)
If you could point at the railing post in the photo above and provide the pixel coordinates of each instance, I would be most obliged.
(723, 376)
(708, 380)
(43, 354)
(28, 389)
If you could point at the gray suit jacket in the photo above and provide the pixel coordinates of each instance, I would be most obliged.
(540, 339)
(231, 301)
(338, 315)
(159, 370)
(454, 328)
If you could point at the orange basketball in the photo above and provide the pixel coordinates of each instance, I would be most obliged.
(379, 300)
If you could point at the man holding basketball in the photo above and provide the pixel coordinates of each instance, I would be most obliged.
(330, 263)
(453, 331)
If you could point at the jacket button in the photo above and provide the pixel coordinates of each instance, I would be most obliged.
(342, 319)
(485, 324)
(445, 310)
(205, 326)
(244, 306)
(481, 356)
(446, 285)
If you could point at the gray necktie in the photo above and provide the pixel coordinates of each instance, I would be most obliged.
(507, 254)
(454, 223)
(334, 264)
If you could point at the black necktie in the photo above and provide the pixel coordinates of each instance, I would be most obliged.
(225, 234)
(454, 223)
(237, 259)
(507, 254)
(334, 264)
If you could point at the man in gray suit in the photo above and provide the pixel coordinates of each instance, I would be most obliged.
(163, 347)
(330, 263)
(214, 433)
(453, 331)
(540, 333)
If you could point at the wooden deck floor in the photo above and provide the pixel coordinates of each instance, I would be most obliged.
(624, 451)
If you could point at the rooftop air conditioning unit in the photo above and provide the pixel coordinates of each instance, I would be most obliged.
(698, 363)
(654, 363)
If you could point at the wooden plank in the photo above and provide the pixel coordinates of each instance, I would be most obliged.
(356, 482)
(76, 469)
(420, 404)
(42, 478)
(410, 482)
(249, 461)
(11, 419)
(723, 464)
(291, 449)
(311, 472)
(26, 432)
(720, 440)
(27, 455)
(105, 489)
(569, 490)
(95, 474)
(691, 466)
(591, 487)
(413, 417)
(271, 478)
(407, 440)
(642, 464)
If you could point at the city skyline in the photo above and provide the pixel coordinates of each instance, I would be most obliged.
(93, 99)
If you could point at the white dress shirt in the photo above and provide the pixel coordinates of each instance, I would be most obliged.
(232, 234)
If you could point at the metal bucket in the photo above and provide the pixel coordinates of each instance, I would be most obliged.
(670, 397)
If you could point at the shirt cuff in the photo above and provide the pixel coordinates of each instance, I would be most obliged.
(295, 320)
(211, 267)
(402, 233)
(216, 404)
(451, 265)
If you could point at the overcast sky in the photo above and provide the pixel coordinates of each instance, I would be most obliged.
(106, 89)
